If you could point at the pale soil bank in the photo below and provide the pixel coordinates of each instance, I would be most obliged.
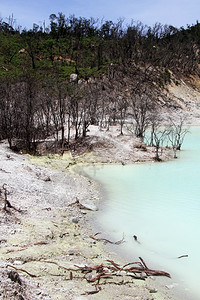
(48, 231)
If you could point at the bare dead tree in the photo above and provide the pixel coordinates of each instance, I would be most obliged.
(159, 136)
(140, 109)
(157, 133)
(176, 134)
(122, 107)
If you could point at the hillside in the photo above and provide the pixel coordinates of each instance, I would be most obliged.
(56, 82)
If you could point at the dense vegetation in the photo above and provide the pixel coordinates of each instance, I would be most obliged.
(118, 70)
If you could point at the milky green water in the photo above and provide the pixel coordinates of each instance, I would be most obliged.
(160, 204)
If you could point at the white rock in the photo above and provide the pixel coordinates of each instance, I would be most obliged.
(171, 286)
(73, 77)
(90, 206)
(18, 262)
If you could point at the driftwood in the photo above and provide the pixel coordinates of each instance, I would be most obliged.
(106, 240)
(134, 269)
(98, 288)
(143, 262)
(91, 292)
(22, 248)
(17, 250)
(104, 271)
(40, 243)
(22, 270)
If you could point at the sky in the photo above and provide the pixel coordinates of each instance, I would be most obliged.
(171, 12)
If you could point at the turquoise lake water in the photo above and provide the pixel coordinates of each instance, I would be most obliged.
(160, 204)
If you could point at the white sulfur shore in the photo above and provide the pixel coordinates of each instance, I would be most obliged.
(48, 231)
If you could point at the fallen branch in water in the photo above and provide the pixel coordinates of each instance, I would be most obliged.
(185, 255)
(106, 240)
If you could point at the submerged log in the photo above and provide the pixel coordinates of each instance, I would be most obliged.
(185, 255)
